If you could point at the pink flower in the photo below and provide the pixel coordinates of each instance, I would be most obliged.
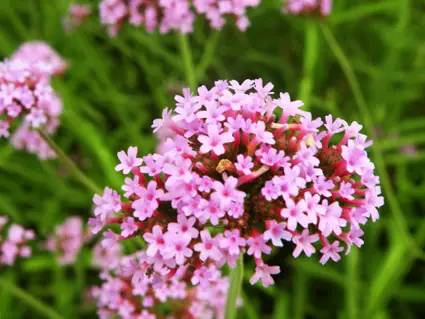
(244, 164)
(107, 204)
(232, 242)
(212, 211)
(128, 161)
(257, 246)
(295, 213)
(76, 15)
(184, 227)
(205, 275)
(227, 192)
(331, 251)
(14, 243)
(304, 242)
(263, 273)
(131, 186)
(176, 248)
(261, 134)
(276, 232)
(147, 201)
(173, 15)
(298, 7)
(67, 240)
(208, 248)
(331, 220)
(27, 100)
(128, 227)
(215, 140)
(232, 178)
(41, 56)
(156, 241)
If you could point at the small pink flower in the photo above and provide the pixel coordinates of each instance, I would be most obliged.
(257, 246)
(331, 251)
(232, 241)
(331, 221)
(155, 240)
(276, 232)
(304, 242)
(128, 160)
(215, 140)
(295, 213)
(208, 248)
(184, 227)
(107, 204)
(177, 248)
(244, 164)
(67, 240)
(128, 227)
(263, 273)
(147, 202)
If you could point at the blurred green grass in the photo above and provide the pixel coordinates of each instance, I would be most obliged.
(115, 87)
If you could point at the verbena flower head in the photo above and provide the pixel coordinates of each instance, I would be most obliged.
(13, 242)
(27, 99)
(138, 287)
(41, 56)
(67, 240)
(76, 15)
(298, 7)
(245, 173)
(172, 15)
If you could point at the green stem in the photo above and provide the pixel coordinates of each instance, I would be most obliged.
(187, 60)
(351, 284)
(300, 294)
(236, 277)
(80, 176)
(29, 300)
(310, 57)
(208, 55)
(369, 126)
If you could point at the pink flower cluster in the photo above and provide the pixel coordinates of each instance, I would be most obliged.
(67, 240)
(39, 55)
(76, 15)
(106, 257)
(167, 15)
(13, 243)
(138, 284)
(242, 172)
(298, 7)
(26, 94)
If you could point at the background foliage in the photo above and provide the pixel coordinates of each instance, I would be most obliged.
(374, 73)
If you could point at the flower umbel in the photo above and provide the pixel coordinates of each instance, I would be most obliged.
(244, 182)
(13, 242)
(27, 99)
(177, 15)
(298, 7)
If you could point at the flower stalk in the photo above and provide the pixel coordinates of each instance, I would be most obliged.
(187, 60)
(235, 289)
(25, 297)
(69, 163)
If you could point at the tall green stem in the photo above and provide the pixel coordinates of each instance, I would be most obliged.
(25, 297)
(80, 176)
(187, 60)
(310, 57)
(208, 55)
(236, 278)
(351, 284)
